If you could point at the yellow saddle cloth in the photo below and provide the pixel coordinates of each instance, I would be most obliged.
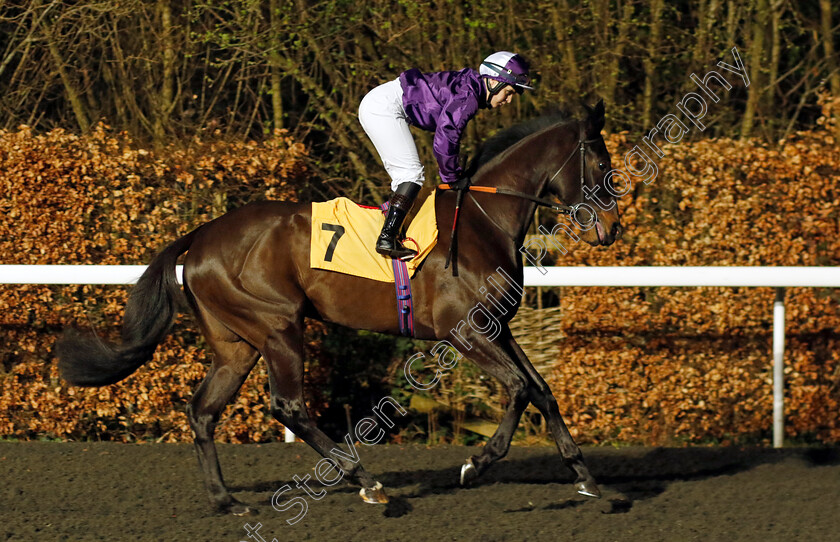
(344, 236)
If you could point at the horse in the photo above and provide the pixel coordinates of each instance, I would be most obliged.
(247, 278)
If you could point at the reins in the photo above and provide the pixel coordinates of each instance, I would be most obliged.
(566, 209)
(570, 210)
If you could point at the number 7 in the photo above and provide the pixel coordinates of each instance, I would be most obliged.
(338, 231)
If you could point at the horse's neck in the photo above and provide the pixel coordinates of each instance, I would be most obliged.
(525, 168)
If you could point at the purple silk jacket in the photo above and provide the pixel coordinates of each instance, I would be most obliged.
(443, 103)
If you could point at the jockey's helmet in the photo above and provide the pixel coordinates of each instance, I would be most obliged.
(506, 67)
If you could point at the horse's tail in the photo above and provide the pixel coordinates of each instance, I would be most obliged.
(149, 312)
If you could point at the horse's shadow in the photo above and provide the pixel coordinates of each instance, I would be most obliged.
(625, 475)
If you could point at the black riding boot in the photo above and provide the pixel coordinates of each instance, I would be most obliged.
(401, 202)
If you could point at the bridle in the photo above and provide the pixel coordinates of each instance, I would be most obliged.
(570, 210)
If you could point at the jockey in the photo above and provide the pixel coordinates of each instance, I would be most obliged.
(440, 102)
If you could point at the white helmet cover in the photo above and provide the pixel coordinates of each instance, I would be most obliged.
(508, 68)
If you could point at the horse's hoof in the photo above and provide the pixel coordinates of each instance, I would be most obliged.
(242, 510)
(588, 488)
(237, 508)
(374, 495)
(468, 473)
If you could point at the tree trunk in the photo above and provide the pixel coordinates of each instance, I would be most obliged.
(830, 58)
(164, 99)
(756, 59)
(707, 12)
(562, 22)
(276, 70)
(73, 94)
(701, 48)
(124, 82)
(776, 10)
(600, 43)
(732, 17)
(653, 44)
(617, 50)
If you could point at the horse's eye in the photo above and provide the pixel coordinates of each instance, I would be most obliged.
(602, 166)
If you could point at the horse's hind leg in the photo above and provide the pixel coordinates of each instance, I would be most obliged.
(284, 354)
(234, 359)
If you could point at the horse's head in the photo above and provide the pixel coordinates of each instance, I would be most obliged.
(583, 183)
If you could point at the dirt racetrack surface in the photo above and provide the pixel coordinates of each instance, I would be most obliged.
(104, 491)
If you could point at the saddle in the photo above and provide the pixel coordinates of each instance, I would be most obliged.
(344, 236)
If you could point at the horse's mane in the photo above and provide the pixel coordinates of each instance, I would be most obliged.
(508, 137)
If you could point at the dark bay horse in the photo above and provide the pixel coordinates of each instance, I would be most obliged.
(248, 279)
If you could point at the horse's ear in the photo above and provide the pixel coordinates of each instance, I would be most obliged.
(598, 110)
(594, 117)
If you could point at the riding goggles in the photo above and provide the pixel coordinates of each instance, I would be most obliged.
(521, 80)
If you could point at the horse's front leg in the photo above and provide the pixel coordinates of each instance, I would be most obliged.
(496, 360)
(540, 395)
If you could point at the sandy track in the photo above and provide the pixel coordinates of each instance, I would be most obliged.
(105, 491)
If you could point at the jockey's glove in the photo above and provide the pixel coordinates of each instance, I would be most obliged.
(461, 184)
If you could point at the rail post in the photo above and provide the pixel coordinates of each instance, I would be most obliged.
(778, 368)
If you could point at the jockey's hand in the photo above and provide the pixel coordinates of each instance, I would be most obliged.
(461, 184)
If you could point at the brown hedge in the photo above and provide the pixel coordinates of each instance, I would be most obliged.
(670, 365)
(103, 199)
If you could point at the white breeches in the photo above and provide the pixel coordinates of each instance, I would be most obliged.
(383, 120)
